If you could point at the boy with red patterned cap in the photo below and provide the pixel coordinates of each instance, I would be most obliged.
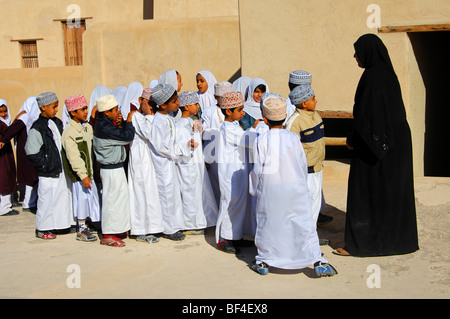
(235, 208)
(78, 164)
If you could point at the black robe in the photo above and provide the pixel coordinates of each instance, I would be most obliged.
(381, 212)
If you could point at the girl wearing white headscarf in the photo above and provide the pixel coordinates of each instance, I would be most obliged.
(241, 85)
(205, 85)
(7, 163)
(130, 100)
(252, 107)
(26, 173)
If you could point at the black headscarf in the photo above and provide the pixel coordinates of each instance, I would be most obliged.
(372, 52)
(378, 100)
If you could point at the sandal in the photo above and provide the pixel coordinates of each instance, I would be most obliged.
(226, 246)
(175, 236)
(324, 269)
(111, 240)
(341, 252)
(45, 234)
(147, 239)
(262, 268)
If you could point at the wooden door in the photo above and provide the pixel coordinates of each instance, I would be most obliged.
(73, 42)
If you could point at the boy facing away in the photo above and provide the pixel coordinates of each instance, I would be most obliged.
(110, 138)
(43, 149)
(286, 236)
(77, 158)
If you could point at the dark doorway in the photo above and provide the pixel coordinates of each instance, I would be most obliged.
(432, 52)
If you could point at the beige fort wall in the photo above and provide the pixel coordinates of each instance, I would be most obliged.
(281, 36)
(119, 46)
(142, 51)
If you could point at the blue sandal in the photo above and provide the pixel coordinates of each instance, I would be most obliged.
(324, 269)
(262, 268)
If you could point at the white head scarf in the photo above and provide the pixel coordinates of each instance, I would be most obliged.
(119, 93)
(207, 98)
(32, 108)
(154, 83)
(251, 107)
(65, 116)
(134, 91)
(241, 85)
(99, 91)
(7, 121)
(169, 77)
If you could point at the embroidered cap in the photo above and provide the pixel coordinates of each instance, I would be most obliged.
(147, 93)
(273, 107)
(162, 93)
(75, 102)
(46, 98)
(188, 98)
(230, 100)
(300, 77)
(301, 94)
(106, 102)
(222, 87)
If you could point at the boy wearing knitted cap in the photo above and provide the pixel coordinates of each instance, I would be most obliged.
(78, 163)
(236, 217)
(286, 236)
(43, 149)
(200, 207)
(109, 147)
(167, 149)
(308, 125)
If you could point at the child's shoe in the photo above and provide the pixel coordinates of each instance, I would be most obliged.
(324, 269)
(175, 236)
(45, 234)
(262, 268)
(111, 240)
(147, 239)
(226, 246)
(85, 235)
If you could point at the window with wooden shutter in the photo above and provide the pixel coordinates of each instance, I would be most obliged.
(73, 42)
(28, 50)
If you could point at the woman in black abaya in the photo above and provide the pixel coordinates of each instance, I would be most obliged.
(381, 212)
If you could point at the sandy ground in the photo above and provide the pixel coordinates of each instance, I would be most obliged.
(194, 269)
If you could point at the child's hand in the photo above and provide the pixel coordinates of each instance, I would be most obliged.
(256, 123)
(197, 126)
(193, 144)
(130, 116)
(1, 145)
(119, 120)
(94, 110)
(87, 182)
(20, 114)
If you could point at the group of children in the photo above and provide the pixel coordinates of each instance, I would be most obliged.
(152, 162)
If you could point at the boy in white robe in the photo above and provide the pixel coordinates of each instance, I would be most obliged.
(146, 215)
(199, 204)
(212, 119)
(286, 235)
(110, 138)
(166, 150)
(235, 202)
(78, 163)
(43, 149)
